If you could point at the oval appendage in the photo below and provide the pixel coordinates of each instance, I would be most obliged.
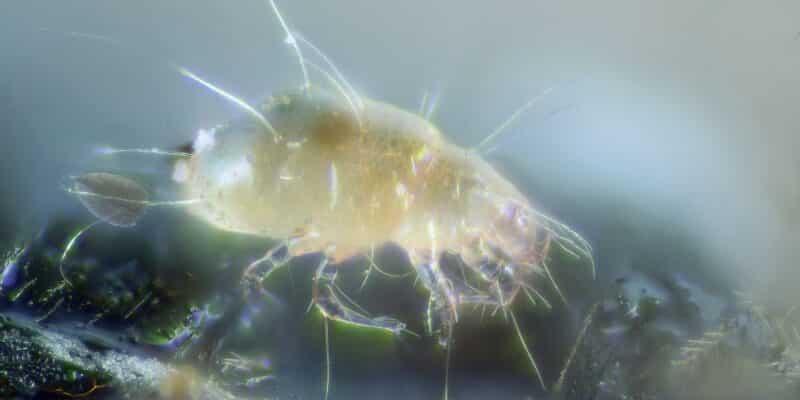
(115, 199)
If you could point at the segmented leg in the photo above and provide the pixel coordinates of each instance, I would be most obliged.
(442, 304)
(373, 265)
(334, 305)
(502, 283)
(275, 258)
(261, 269)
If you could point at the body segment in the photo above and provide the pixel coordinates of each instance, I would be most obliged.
(351, 178)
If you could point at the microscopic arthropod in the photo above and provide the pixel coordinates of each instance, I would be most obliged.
(324, 169)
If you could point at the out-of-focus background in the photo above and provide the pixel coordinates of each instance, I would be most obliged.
(668, 121)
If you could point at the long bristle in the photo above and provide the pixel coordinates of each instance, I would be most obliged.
(291, 41)
(586, 322)
(336, 72)
(327, 358)
(527, 351)
(447, 361)
(69, 247)
(107, 151)
(339, 88)
(511, 119)
(553, 282)
(230, 97)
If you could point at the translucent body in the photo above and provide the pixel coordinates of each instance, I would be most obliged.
(356, 179)
(339, 174)
(325, 174)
